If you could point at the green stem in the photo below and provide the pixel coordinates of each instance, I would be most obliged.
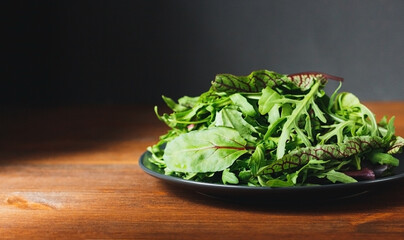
(373, 122)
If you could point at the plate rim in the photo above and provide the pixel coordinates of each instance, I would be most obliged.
(359, 184)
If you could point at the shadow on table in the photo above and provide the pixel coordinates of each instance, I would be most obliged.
(376, 200)
(29, 134)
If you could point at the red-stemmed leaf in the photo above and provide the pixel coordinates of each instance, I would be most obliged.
(299, 157)
(209, 150)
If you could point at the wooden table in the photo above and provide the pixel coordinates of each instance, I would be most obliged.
(72, 173)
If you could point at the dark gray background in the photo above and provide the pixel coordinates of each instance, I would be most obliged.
(128, 52)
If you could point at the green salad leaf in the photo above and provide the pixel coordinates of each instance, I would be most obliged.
(275, 130)
(208, 150)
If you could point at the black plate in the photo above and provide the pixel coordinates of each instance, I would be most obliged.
(304, 193)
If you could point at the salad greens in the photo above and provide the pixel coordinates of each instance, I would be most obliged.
(276, 130)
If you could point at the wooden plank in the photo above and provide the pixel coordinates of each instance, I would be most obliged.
(73, 173)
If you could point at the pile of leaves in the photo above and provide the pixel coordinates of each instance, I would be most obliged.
(276, 130)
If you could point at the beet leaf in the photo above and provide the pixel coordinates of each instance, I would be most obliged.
(299, 157)
(209, 150)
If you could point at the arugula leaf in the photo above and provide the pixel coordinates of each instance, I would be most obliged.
(383, 158)
(257, 159)
(335, 176)
(278, 183)
(188, 102)
(290, 124)
(173, 105)
(267, 100)
(232, 118)
(246, 108)
(390, 130)
(229, 177)
(348, 107)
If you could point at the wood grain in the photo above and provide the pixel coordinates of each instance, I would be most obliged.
(72, 173)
